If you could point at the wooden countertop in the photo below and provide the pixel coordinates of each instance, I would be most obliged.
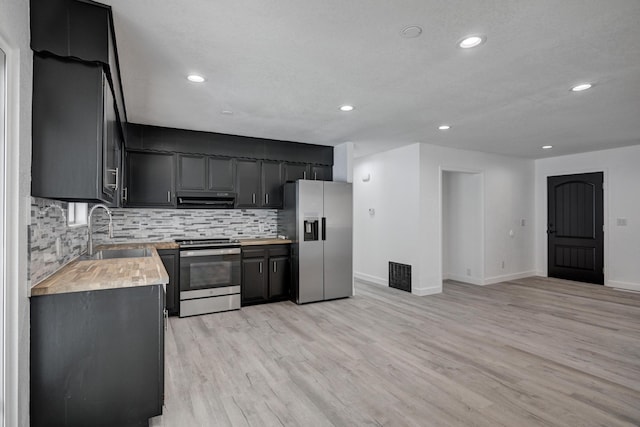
(95, 275)
(266, 241)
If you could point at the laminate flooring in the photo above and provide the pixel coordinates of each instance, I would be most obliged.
(528, 352)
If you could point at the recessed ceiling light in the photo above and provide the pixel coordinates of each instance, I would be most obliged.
(195, 78)
(226, 112)
(411, 32)
(581, 87)
(346, 108)
(444, 127)
(547, 147)
(471, 41)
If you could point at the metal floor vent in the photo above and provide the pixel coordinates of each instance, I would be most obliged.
(400, 276)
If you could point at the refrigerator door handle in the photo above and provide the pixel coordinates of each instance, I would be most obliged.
(324, 228)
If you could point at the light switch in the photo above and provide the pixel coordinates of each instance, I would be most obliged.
(621, 222)
(511, 233)
(523, 222)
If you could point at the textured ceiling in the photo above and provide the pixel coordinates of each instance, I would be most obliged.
(285, 66)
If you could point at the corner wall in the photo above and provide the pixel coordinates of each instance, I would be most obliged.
(621, 169)
(14, 35)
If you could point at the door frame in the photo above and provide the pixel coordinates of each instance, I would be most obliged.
(441, 172)
(605, 211)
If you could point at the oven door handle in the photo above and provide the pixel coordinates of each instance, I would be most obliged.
(209, 252)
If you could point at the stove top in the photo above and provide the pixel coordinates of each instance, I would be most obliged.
(208, 242)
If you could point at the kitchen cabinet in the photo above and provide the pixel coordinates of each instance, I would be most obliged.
(295, 171)
(205, 173)
(271, 185)
(321, 173)
(76, 133)
(149, 179)
(266, 274)
(97, 357)
(69, 28)
(247, 184)
(171, 261)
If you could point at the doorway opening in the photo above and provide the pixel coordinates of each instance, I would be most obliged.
(462, 227)
(575, 227)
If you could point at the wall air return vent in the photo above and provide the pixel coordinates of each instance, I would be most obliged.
(400, 276)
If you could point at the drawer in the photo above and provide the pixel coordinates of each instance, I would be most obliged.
(194, 307)
(256, 252)
(279, 250)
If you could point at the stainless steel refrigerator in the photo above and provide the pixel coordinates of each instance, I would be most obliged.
(318, 217)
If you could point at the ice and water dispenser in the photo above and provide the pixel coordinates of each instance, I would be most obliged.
(311, 228)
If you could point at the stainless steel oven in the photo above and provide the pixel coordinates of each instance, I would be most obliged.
(209, 276)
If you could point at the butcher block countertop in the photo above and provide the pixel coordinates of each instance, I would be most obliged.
(95, 275)
(267, 241)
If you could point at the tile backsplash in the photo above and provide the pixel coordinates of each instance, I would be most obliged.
(153, 225)
(49, 225)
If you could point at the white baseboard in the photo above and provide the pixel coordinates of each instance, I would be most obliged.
(427, 291)
(623, 285)
(370, 279)
(464, 279)
(506, 277)
(541, 274)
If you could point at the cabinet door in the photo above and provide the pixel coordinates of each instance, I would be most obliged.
(192, 173)
(279, 277)
(170, 260)
(221, 174)
(271, 184)
(322, 173)
(247, 183)
(149, 179)
(254, 280)
(295, 171)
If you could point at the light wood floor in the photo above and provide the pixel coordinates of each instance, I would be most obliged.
(522, 353)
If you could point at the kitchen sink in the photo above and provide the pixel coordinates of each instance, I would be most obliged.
(118, 253)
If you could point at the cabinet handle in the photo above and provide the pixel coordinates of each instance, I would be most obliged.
(166, 319)
(315, 175)
(115, 172)
(124, 194)
(253, 198)
(117, 179)
(261, 267)
(304, 174)
(169, 196)
(266, 198)
(275, 268)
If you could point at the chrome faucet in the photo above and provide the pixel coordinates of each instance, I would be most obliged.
(90, 241)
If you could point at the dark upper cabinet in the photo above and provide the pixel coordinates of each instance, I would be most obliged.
(247, 183)
(171, 261)
(205, 173)
(271, 184)
(71, 28)
(76, 132)
(221, 173)
(192, 173)
(321, 173)
(295, 171)
(149, 179)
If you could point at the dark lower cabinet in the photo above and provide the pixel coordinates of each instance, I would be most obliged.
(171, 261)
(266, 274)
(97, 357)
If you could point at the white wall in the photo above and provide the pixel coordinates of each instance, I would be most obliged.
(507, 199)
(405, 191)
(621, 169)
(14, 38)
(462, 227)
(391, 232)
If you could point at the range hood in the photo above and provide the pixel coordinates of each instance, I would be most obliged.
(206, 199)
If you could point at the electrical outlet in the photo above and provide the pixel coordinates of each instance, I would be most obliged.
(503, 264)
(261, 227)
(58, 247)
(523, 222)
(468, 272)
